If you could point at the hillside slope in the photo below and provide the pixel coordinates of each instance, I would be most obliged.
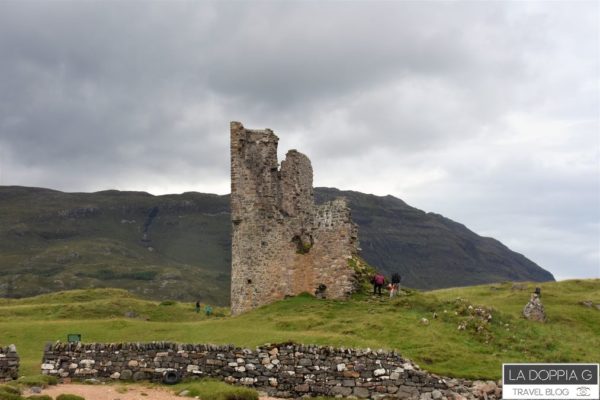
(163, 247)
(429, 250)
(476, 351)
(178, 246)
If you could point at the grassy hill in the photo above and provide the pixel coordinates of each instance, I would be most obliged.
(572, 333)
(52, 241)
(178, 246)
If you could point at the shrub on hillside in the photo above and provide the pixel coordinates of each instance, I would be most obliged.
(39, 397)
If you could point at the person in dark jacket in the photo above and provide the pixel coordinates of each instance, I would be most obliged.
(378, 282)
(395, 285)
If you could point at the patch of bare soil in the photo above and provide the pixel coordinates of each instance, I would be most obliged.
(116, 392)
(112, 392)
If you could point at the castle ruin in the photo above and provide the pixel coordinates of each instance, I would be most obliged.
(283, 244)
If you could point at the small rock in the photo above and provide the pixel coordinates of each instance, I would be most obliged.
(126, 374)
(139, 376)
(184, 393)
(35, 389)
(379, 372)
(361, 392)
(302, 388)
(351, 374)
(436, 395)
(424, 321)
(341, 391)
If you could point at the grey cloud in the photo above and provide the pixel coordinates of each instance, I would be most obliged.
(410, 98)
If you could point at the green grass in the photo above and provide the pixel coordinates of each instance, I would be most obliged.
(37, 380)
(572, 333)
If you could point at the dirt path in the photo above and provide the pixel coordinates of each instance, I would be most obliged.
(112, 392)
(116, 392)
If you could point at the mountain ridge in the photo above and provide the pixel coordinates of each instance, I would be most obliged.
(51, 240)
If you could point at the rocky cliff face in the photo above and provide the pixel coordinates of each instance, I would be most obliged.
(52, 241)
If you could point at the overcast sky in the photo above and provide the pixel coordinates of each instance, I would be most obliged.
(485, 112)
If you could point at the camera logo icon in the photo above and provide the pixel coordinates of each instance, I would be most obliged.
(583, 391)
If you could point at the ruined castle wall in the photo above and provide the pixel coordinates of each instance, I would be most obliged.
(283, 244)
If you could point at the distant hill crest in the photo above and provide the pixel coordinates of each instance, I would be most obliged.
(46, 245)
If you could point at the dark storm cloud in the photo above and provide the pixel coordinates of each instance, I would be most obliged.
(485, 112)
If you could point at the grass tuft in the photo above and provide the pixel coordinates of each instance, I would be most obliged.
(38, 380)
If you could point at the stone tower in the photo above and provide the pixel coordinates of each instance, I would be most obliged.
(283, 244)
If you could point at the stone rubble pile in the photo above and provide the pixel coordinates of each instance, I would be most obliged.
(534, 310)
(285, 370)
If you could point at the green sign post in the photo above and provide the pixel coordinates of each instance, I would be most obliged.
(74, 337)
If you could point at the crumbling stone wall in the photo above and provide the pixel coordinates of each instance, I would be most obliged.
(9, 363)
(283, 244)
(286, 370)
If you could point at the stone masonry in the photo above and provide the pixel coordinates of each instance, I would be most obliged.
(9, 363)
(283, 244)
(284, 370)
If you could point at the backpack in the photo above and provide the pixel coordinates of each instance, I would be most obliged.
(379, 279)
(396, 277)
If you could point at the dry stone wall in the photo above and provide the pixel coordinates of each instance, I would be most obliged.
(285, 370)
(283, 244)
(9, 363)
